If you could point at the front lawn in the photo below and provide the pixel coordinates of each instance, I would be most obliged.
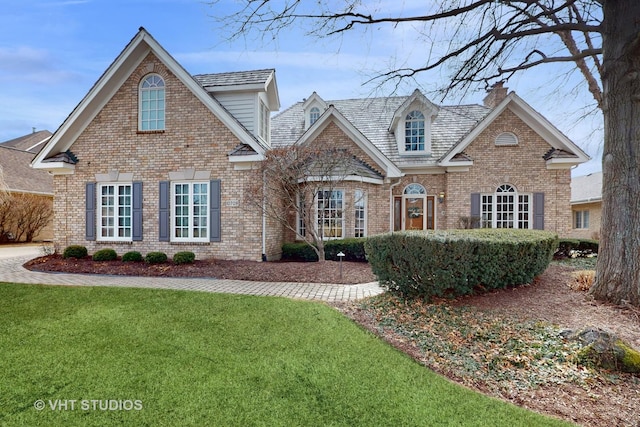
(106, 356)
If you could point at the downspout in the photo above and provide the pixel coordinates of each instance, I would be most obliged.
(391, 204)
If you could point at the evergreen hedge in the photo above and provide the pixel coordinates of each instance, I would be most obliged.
(352, 248)
(457, 262)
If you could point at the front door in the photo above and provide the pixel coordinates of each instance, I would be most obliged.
(417, 213)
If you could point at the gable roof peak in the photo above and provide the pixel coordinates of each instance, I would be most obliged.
(314, 98)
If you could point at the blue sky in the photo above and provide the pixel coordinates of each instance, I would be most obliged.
(53, 51)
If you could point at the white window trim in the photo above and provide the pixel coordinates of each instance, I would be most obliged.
(356, 199)
(116, 206)
(582, 213)
(400, 134)
(342, 212)
(173, 226)
(263, 121)
(516, 209)
(164, 99)
(301, 227)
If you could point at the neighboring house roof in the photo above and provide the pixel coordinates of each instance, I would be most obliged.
(107, 86)
(452, 130)
(19, 176)
(586, 189)
(32, 142)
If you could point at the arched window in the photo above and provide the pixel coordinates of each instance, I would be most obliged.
(152, 103)
(414, 189)
(314, 115)
(506, 208)
(414, 131)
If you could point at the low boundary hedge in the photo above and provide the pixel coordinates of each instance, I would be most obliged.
(449, 263)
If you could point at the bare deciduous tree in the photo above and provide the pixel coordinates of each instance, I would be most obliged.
(484, 41)
(299, 191)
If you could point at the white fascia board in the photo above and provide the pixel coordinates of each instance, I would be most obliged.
(93, 102)
(355, 178)
(419, 169)
(528, 115)
(55, 168)
(246, 158)
(562, 163)
(586, 201)
(355, 135)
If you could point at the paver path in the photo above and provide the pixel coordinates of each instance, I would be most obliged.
(11, 270)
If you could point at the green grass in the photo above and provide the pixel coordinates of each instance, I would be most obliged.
(578, 263)
(194, 358)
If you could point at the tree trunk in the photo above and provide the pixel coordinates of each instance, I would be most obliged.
(618, 268)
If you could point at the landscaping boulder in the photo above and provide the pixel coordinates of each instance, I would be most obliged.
(605, 349)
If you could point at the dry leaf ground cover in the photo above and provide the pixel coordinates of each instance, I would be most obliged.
(507, 344)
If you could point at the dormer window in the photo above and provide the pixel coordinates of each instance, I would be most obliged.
(151, 104)
(313, 108)
(411, 125)
(314, 115)
(414, 132)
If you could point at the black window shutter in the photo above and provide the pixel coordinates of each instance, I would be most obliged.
(214, 211)
(163, 212)
(90, 211)
(538, 211)
(136, 234)
(475, 210)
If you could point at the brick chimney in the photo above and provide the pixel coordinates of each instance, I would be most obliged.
(495, 95)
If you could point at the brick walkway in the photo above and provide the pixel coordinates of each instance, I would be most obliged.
(11, 270)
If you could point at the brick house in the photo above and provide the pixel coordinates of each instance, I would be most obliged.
(156, 159)
(586, 206)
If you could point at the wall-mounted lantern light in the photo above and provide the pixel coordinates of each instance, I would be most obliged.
(441, 197)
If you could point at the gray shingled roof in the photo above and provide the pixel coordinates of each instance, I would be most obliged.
(19, 175)
(234, 78)
(32, 142)
(587, 188)
(373, 116)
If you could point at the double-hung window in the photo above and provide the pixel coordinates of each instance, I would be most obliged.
(190, 222)
(115, 212)
(330, 212)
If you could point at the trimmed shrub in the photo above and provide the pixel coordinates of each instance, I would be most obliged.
(75, 251)
(457, 262)
(298, 251)
(105, 255)
(352, 248)
(185, 257)
(155, 258)
(576, 248)
(133, 256)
